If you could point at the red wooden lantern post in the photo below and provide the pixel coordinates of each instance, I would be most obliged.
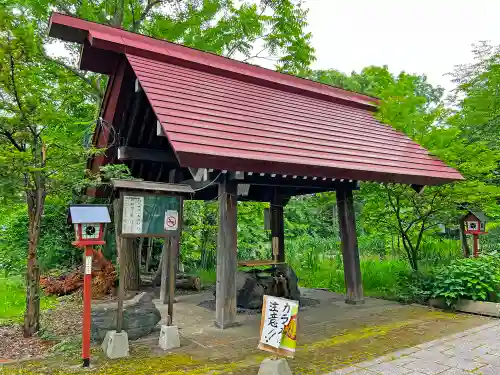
(89, 223)
(475, 223)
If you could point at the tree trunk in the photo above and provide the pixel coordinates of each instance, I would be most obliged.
(130, 270)
(463, 239)
(36, 201)
(188, 282)
(149, 253)
(157, 276)
(140, 247)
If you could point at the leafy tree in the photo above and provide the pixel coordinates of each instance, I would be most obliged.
(246, 30)
(40, 138)
(48, 104)
(412, 105)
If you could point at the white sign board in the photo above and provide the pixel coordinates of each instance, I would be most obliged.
(171, 220)
(133, 208)
(88, 265)
(278, 312)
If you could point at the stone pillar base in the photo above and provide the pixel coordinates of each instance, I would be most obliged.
(270, 366)
(115, 345)
(169, 337)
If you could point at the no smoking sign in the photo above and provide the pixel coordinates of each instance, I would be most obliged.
(171, 220)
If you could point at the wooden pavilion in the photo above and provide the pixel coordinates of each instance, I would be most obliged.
(233, 130)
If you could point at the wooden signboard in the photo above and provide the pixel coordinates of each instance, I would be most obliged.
(149, 215)
(278, 326)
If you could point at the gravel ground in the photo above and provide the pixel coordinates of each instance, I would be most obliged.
(14, 346)
(56, 324)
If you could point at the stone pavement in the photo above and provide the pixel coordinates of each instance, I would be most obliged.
(475, 351)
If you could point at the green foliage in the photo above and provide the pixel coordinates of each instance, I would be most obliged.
(477, 279)
(12, 300)
(412, 287)
(412, 105)
(55, 249)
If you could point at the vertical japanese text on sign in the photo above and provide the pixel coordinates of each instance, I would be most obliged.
(279, 325)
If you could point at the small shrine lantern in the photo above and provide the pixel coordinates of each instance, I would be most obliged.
(89, 221)
(475, 222)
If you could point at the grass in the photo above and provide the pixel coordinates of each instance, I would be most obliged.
(380, 278)
(13, 300)
(208, 277)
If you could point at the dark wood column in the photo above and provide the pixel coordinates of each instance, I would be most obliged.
(350, 252)
(225, 299)
(277, 226)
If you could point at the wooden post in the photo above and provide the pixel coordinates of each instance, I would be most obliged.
(350, 252)
(225, 301)
(277, 227)
(164, 271)
(87, 305)
(174, 248)
(171, 278)
(119, 251)
(476, 245)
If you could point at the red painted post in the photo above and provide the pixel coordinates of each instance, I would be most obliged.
(87, 306)
(476, 245)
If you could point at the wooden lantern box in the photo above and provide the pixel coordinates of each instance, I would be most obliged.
(89, 221)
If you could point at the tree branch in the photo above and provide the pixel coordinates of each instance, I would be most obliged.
(150, 4)
(12, 140)
(16, 96)
(97, 90)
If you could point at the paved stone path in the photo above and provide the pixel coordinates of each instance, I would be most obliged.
(475, 351)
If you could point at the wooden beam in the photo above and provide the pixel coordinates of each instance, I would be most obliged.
(291, 182)
(349, 241)
(152, 186)
(277, 226)
(225, 300)
(136, 153)
(136, 111)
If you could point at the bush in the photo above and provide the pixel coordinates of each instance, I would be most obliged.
(477, 279)
(413, 287)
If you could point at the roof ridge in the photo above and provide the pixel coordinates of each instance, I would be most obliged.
(115, 39)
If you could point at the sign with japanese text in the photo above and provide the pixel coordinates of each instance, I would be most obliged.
(278, 327)
(133, 210)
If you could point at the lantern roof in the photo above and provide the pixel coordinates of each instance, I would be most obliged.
(89, 213)
(480, 215)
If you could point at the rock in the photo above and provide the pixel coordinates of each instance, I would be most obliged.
(249, 291)
(292, 287)
(251, 286)
(140, 317)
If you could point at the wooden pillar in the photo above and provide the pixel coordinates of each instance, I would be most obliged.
(173, 253)
(225, 300)
(277, 227)
(475, 236)
(350, 252)
(164, 271)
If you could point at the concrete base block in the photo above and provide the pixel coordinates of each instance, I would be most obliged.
(115, 345)
(169, 337)
(270, 366)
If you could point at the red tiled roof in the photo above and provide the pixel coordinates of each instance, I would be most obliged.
(223, 114)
